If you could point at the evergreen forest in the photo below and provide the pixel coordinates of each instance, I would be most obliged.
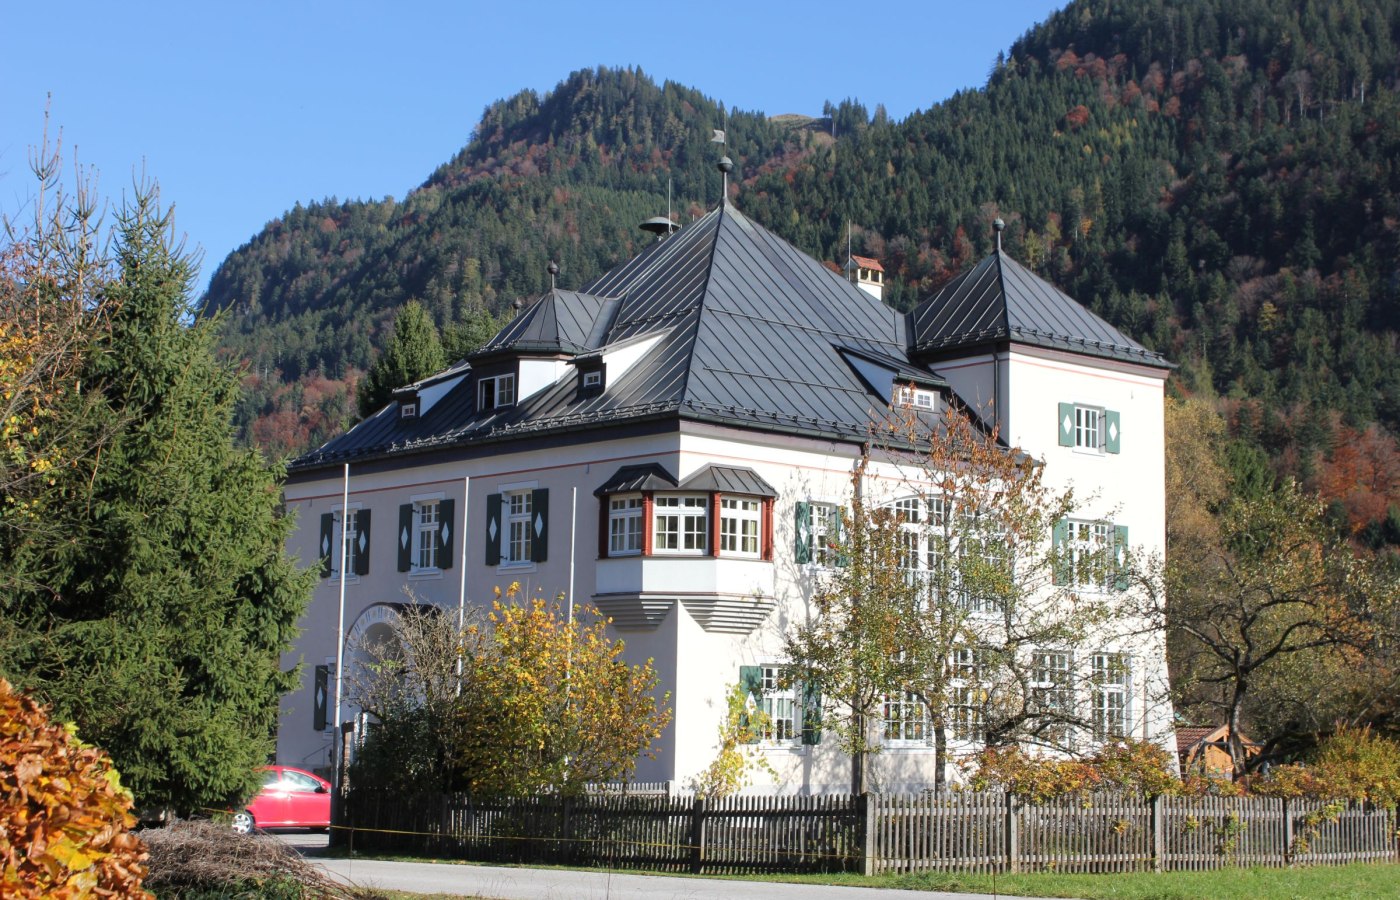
(1219, 179)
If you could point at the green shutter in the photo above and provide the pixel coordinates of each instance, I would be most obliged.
(319, 691)
(1112, 431)
(1064, 425)
(446, 533)
(362, 539)
(493, 529)
(539, 525)
(1120, 556)
(811, 715)
(751, 680)
(327, 543)
(1059, 540)
(405, 537)
(802, 531)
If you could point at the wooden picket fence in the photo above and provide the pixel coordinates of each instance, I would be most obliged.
(644, 828)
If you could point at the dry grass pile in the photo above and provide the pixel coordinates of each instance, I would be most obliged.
(199, 859)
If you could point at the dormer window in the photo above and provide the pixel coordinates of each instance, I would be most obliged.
(495, 392)
(408, 411)
(919, 398)
(590, 380)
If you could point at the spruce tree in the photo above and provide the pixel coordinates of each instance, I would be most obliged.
(414, 353)
(157, 618)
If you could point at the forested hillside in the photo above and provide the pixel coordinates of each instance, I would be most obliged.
(1220, 179)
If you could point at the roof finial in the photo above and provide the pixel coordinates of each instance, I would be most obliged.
(553, 270)
(726, 165)
(998, 226)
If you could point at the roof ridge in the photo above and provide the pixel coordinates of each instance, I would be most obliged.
(700, 305)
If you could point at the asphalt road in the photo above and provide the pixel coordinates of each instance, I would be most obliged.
(503, 883)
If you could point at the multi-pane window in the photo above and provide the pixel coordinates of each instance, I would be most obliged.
(906, 719)
(624, 526)
(1110, 694)
(779, 705)
(1088, 555)
(425, 534)
(1052, 689)
(496, 391)
(1088, 428)
(351, 535)
(825, 525)
(681, 522)
(969, 692)
(739, 520)
(519, 530)
(916, 552)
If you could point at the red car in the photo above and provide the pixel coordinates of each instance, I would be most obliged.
(290, 798)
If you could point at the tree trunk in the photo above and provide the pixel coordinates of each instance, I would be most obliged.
(1237, 758)
(940, 754)
(858, 755)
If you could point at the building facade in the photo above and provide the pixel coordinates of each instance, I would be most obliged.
(674, 443)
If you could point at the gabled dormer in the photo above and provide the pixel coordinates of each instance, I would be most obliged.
(415, 400)
(536, 349)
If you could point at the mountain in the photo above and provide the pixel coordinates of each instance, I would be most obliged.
(1220, 180)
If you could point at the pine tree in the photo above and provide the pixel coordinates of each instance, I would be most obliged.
(154, 615)
(414, 353)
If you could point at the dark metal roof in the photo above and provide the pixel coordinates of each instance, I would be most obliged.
(999, 299)
(729, 480)
(559, 322)
(747, 331)
(630, 479)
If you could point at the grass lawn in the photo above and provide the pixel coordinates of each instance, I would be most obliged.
(1354, 881)
(1360, 881)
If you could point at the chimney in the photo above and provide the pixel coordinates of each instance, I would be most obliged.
(866, 274)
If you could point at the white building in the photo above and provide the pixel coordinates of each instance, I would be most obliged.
(668, 443)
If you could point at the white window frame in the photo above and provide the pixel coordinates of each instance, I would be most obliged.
(781, 707)
(966, 719)
(741, 526)
(1090, 423)
(500, 389)
(1089, 545)
(1052, 686)
(341, 534)
(684, 512)
(425, 534)
(905, 721)
(517, 528)
(626, 525)
(822, 522)
(1112, 694)
(593, 379)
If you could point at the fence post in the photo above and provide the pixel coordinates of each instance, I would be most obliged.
(697, 835)
(1013, 833)
(1287, 832)
(1159, 834)
(867, 808)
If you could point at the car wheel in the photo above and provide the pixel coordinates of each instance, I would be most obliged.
(243, 822)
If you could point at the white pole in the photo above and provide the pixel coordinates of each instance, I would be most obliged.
(573, 548)
(340, 624)
(462, 576)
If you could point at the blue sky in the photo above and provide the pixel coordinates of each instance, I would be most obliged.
(240, 110)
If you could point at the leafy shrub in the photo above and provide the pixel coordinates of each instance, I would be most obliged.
(1352, 764)
(1125, 765)
(65, 819)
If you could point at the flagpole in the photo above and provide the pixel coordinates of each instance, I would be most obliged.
(337, 748)
(462, 576)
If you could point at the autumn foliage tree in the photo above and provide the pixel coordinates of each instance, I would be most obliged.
(517, 701)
